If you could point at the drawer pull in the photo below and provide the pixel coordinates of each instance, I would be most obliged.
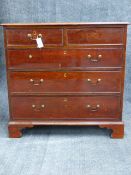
(94, 59)
(93, 108)
(94, 82)
(36, 84)
(34, 35)
(33, 106)
(89, 56)
(30, 56)
(42, 106)
(99, 56)
(38, 108)
(29, 35)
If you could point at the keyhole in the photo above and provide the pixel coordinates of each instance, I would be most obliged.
(65, 52)
(59, 65)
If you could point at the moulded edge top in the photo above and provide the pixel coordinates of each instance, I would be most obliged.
(64, 23)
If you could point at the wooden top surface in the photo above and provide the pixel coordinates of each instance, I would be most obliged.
(64, 23)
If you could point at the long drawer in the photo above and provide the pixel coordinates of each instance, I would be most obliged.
(69, 82)
(50, 37)
(60, 107)
(65, 58)
(98, 35)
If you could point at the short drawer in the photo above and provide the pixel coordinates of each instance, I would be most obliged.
(88, 107)
(45, 82)
(98, 35)
(65, 59)
(27, 37)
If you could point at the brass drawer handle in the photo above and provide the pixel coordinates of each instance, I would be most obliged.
(38, 108)
(29, 35)
(33, 106)
(89, 56)
(94, 59)
(99, 56)
(36, 84)
(34, 35)
(93, 108)
(30, 56)
(94, 82)
(42, 106)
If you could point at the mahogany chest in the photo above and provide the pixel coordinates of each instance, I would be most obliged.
(76, 78)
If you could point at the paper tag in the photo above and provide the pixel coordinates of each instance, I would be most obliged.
(39, 42)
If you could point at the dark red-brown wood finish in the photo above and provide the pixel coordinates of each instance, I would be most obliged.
(64, 82)
(77, 78)
(80, 59)
(57, 107)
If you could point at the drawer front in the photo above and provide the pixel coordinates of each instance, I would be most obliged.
(50, 37)
(89, 107)
(59, 82)
(71, 58)
(95, 36)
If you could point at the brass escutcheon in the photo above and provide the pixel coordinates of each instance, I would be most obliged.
(65, 99)
(65, 75)
(59, 65)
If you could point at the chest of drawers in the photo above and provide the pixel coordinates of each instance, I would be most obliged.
(77, 78)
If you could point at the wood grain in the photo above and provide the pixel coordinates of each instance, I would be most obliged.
(68, 81)
(70, 67)
(65, 58)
